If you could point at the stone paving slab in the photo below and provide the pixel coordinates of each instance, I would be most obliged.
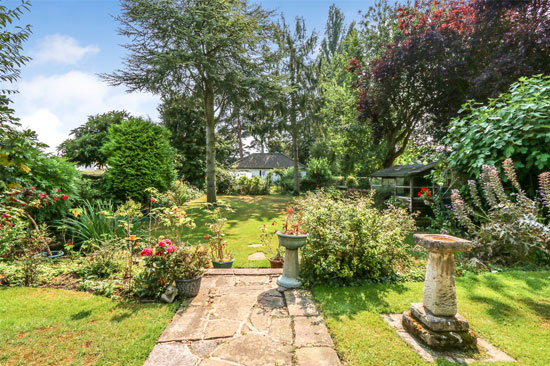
(242, 318)
(492, 354)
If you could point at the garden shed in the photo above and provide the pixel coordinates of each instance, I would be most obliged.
(404, 182)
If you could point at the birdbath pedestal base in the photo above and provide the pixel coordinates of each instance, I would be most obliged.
(436, 322)
(291, 269)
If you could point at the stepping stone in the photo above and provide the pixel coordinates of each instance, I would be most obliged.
(254, 350)
(317, 356)
(221, 328)
(300, 303)
(209, 362)
(271, 299)
(311, 331)
(258, 256)
(234, 306)
(171, 354)
(255, 245)
(281, 329)
(203, 348)
(260, 319)
(187, 324)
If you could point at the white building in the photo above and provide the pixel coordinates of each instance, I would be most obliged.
(259, 165)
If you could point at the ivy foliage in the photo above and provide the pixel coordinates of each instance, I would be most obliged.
(514, 125)
(139, 157)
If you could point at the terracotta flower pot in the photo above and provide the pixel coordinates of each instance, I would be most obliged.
(276, 263)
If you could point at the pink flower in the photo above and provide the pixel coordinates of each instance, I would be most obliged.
(146, 252)
(161, 244)
(168, 241)
(171, 249)
(158, 253)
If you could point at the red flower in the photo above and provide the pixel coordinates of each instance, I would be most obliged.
(276, 231)
(69, 243)
(206, 237)
(7, 215)
(33, 189)
(31, 239)
(273, 223)
(42, 195)
(55, 199)
(167, 241)
(161, 244)
(46, 202)
(171, 249)
(158, 253)
(146, 252)
(59, 191)
(65, 197)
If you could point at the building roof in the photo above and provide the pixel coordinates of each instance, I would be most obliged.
(404, 170)
(266, 161)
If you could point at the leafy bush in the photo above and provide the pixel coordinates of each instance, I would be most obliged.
(92, 224)
(514, 125)
(155, 276)
(506, 229)
(183, 192)
(318, 174)
(225, 181)
(286, 179)
(139, 156)
(187, 263)
(351, 240)
(253, 185)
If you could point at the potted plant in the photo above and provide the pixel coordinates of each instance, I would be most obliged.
(220, 253)
(266, 237)
(186, 266)
(292, 237)
(425, 195)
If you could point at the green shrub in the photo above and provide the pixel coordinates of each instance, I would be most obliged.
(285, 181)
(225, 181)
(350, 240)
(91, 224)
(183, 192)
(318, 174)
(253, 185)
(514, 125)
(139, 156)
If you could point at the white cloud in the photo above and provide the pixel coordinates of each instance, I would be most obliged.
(53, 105)
(59, 48)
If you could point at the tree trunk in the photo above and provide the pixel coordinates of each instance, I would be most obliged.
(294, 133)
(210, 144)
(240, 137)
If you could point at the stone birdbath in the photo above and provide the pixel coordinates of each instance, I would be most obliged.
(291, 270)
(436, 321)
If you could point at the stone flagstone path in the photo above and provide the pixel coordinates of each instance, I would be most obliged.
(242, 318)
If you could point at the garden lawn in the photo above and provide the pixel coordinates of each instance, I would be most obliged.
(41, 326)
(242, 226)
(511, 310)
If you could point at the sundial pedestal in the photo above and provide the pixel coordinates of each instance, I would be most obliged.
(436, 321)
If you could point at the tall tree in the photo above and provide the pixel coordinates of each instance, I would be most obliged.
(84, 147)
(296, 49)
(443, 53)
(207, 48)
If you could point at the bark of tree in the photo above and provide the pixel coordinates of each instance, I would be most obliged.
(210, 144)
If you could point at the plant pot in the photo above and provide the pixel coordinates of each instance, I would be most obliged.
(292, 242)
(55, 254)
(189, 288)
(276, 263)
(228, 264)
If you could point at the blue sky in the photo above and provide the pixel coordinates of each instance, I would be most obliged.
(74, 40)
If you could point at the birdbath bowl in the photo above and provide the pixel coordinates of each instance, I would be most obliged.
(291, 270)
(435, 321)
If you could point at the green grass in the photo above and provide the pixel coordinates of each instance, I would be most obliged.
(511, 310)
(243, 225)
(40, 326)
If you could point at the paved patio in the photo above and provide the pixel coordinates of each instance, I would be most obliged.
(242, 318)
